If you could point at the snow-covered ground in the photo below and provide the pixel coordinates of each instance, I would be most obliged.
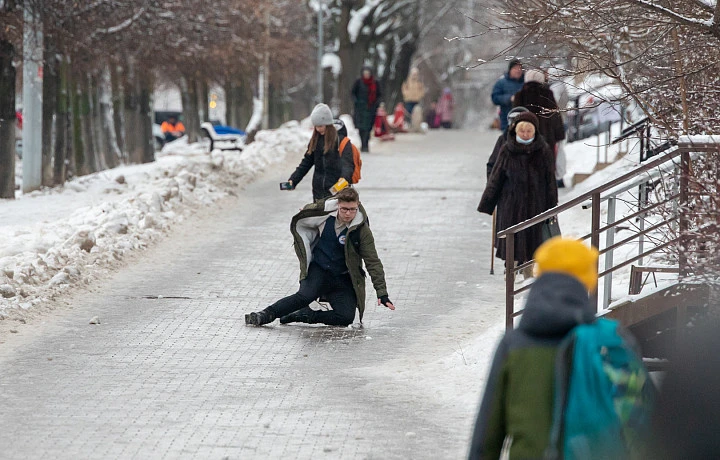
(57, 238)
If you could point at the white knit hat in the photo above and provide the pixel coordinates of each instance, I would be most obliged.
(321, 115)
(534, 75)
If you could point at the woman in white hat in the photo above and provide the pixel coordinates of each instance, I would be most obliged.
(323, 153)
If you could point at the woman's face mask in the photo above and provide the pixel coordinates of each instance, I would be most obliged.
(520, 140)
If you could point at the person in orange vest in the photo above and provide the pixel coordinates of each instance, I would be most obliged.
(172, 128)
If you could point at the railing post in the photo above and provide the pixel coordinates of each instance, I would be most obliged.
(595, 238)
(609, 241)
(682, 212)
(642, 203)
(509, 280)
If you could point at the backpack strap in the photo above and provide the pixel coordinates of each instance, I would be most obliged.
(563, 368)
(343, 143)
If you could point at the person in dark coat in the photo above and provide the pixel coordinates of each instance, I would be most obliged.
(521, 185)
(519, 393)
(366, 94)
(502, 138)
(537, 97)
(323, 153)
(505, 89)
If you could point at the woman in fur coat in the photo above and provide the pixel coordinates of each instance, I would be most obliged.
(521, 185)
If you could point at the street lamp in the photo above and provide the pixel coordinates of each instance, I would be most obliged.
(321, 45)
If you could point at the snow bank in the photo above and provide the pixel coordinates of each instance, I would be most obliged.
(61, 237)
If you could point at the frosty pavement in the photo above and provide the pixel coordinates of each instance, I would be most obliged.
(172, 371)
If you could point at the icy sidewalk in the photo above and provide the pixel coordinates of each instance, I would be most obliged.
(60, 237)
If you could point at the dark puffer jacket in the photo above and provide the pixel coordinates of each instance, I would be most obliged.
(518, 399)
(329, 167)
(540, 100)
(521, 185)
(504, 89)
(364, 112)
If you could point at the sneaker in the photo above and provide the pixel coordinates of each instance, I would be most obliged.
(259, 318)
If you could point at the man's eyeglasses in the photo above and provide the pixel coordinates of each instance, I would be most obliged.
(341, 209)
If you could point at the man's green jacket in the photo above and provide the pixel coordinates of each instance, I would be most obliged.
(359, 247)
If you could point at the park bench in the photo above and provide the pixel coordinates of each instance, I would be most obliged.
(223, 138)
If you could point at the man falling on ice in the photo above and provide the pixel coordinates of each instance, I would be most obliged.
(332, 239)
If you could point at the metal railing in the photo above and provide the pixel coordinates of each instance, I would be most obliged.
(609, 192)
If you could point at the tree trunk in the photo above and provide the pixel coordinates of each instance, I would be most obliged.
(400, 69)
(107, 119)
(81, 166)
(7, 120)
(118, 104)
(86, 126)
(204, 101)
(63, 125)
(50, 95)
(239, 100)
(96, 133)
(147, 142)
(191, 118)
(352, 56)
(130, 106)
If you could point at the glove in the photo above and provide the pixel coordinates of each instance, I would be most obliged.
(385, 300)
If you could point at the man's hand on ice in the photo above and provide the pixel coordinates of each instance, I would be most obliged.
(385, 300)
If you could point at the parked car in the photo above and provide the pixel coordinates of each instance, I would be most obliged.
(590, 118)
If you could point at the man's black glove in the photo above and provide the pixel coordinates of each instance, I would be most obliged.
(385, 300)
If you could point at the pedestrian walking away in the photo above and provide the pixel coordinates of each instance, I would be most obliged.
(323, 153)
(537, 97)
(366, 94)
(505, 88)
(332, 240)
(529, 406)
(521, 186)
(413, 90)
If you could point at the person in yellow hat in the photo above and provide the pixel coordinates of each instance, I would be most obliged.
(518, 399)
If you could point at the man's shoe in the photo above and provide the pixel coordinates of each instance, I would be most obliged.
(300, 316)
(259, 318)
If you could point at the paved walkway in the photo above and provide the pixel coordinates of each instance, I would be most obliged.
(172, 371)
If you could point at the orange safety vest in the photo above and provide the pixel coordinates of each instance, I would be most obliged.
(168, 127)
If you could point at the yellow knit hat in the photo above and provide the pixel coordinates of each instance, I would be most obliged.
(568, 256)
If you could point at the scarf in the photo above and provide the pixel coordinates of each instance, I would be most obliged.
(372, 90)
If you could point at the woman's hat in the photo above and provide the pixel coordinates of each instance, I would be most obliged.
(321, 115)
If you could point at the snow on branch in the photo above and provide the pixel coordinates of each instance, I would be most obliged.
(122, 26)
(693, 22)
(359, 18)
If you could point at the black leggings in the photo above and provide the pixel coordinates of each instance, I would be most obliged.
(338, 290)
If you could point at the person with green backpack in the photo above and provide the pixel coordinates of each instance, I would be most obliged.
(564, 385)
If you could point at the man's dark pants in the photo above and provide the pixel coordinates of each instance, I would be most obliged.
(337, 289)
(365, 140)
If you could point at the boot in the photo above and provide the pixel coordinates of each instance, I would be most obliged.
(304, 315)
(260, 317)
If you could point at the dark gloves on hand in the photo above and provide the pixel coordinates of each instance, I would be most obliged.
(385, 300)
